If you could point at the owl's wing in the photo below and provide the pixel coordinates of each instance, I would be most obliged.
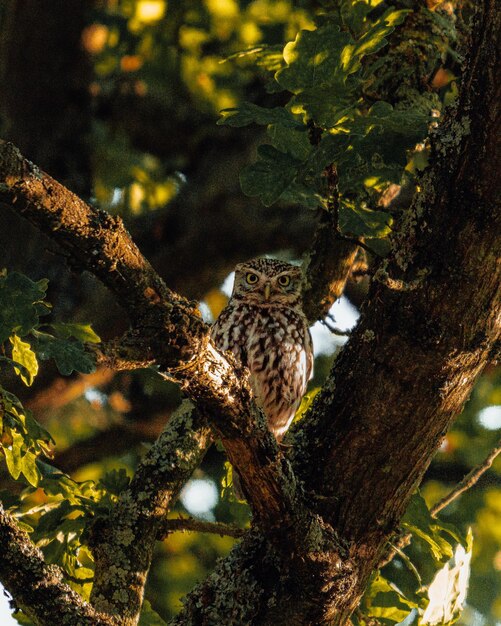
(226, 333)
(309, 355)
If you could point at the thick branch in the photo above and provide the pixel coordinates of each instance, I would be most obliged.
(328, 269)
(425, 334)
(100, 244)
(38, 588)
(331, 258)
(168, 331)
(123, 543)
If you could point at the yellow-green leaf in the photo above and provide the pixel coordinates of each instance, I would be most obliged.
(24, 355)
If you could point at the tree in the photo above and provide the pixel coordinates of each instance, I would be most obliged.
(341, 131)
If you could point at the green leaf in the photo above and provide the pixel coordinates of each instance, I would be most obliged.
(422, 525)
(115, 481)
(16, 365)
(353, 14)
(227, 484)
(292, 141)
(314, 59)
(13, 454)
(269, 57)
(82, 332)
(29, 468)
(270, 176)
(381, 247)
(24, 439)
(388, 132)
(447, 591)
(333, 148)
(55, 482)
(306, 403)
(363, 222)
(327, 105)
(22, 304)
(149, 617)
(24, 355)
(54, 521)
(21, 461)
(372, 41)
(22, 619)
(69, 355)
(386, 602)
(248, 113)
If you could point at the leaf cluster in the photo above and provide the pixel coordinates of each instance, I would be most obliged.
(25, 340)
(443, 542)
(329, 120)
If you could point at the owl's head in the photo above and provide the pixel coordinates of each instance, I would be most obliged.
(267, 282)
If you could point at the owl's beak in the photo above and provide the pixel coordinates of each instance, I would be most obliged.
(267, 291)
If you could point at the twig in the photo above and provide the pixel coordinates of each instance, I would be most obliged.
(357, 242)
(468, 481)
(336, 331)
(189, 524)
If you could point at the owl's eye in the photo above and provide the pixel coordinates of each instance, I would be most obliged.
(284, 281)
(251, 278)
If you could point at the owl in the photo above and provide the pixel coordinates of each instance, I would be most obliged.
(267, 331)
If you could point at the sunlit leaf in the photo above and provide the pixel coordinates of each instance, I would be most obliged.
(423, 526)
(447, 592)
(385, 602)
(363, 222)
(23, 439)
(82, 332)
(373, 40)
(314, 59)
(23, 354)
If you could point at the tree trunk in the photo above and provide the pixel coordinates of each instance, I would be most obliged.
(427, 330)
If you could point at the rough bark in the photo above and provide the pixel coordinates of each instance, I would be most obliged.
(36, 587)
(166, 330)
(427, 330)
(123, 543)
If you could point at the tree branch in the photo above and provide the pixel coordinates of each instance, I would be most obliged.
(413, 359)
(189, 524)
(331, 258)
(468, 481)
(37, 588)
(123, 543)
(166, 330)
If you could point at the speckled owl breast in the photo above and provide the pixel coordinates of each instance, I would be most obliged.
(265, 328)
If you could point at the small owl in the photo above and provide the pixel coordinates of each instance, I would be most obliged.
(266, 329)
